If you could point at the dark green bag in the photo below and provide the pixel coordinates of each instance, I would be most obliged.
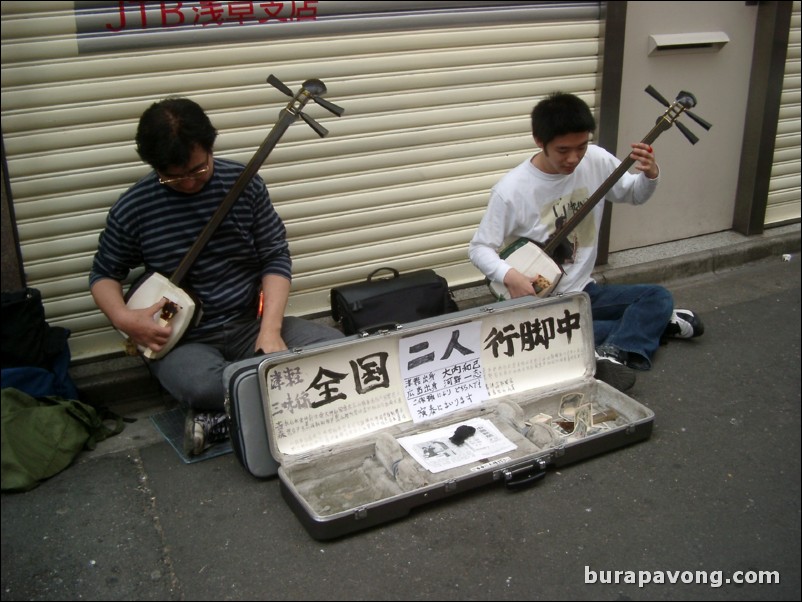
(41, 436)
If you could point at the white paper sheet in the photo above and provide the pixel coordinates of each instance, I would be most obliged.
(436, 452)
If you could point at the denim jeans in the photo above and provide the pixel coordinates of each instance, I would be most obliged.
(193, 371)
(631, 317)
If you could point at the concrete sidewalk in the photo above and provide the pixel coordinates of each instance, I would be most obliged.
(711, 501)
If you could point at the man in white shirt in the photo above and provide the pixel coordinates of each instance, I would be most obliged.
(535, 198)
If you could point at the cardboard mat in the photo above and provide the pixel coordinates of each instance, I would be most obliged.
(171, 425)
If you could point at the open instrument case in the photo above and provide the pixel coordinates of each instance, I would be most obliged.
(368, 427)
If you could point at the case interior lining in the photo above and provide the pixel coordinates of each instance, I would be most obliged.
(376, 468)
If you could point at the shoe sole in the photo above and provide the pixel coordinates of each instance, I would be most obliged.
(616, 375)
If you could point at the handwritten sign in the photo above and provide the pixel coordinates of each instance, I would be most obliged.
(442, 370)
(347, 391)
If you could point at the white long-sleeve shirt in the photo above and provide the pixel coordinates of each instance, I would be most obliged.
(528, 202)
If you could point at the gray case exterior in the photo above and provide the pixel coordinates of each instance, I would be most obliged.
(342, 467)
(245, 410)
(247, 418)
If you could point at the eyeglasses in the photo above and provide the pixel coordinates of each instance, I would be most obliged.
(193, 175)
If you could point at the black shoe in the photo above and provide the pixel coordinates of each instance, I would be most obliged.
(202, 430)
(611, 368)
(684, 324)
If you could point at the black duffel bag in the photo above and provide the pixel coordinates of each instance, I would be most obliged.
(384, 302)
(28, 340)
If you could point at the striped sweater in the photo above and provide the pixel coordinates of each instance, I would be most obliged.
(154, 225)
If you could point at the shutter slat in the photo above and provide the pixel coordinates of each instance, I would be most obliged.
(783, 203)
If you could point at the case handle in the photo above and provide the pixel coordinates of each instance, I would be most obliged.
(526, 476)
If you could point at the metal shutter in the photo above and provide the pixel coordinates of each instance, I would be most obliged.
(783, 203)
(437, 104)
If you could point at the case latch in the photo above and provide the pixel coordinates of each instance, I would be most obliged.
(379, 329)
(525, 476)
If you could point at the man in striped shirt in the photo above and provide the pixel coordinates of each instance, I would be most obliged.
(154, 224)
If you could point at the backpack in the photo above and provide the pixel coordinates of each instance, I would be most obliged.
(41, 436)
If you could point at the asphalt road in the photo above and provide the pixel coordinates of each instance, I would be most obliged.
(712, 498)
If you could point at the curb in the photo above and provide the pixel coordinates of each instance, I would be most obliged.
(702, 262)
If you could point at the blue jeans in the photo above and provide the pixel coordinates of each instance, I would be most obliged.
(193, 371)
(631, 317)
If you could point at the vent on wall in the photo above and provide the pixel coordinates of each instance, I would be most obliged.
(676, 43)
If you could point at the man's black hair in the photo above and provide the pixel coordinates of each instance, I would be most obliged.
(170, 129)
(559, 114)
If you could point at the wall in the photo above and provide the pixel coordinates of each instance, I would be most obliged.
(697, 191)
(385, 82)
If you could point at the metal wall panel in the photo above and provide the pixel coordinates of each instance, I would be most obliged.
(437, 105)
(784, 188)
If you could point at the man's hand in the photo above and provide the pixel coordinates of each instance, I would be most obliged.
(269, 342)
(644, 155)
(519, 285)
(142, 328)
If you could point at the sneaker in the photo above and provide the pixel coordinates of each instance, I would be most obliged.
(684, 324)
(202, 430)
(611, 368)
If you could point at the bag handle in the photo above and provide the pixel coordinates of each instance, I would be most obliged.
(374, 272)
